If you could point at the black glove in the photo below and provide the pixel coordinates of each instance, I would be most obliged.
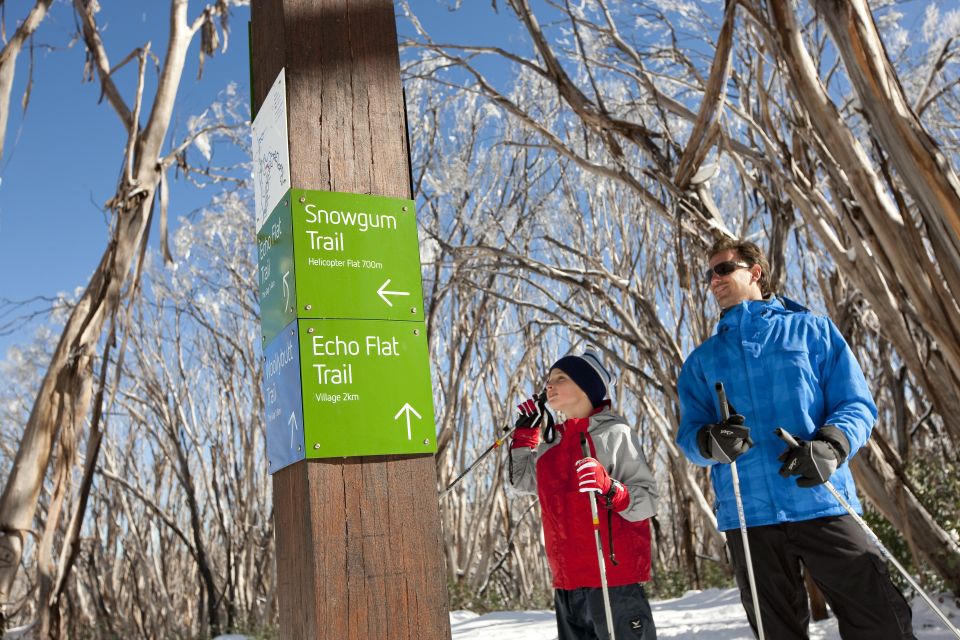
(725, 442)
(530, 411)
(530, 416)
(815, 460)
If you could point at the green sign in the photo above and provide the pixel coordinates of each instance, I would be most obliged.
(366, 388)
(339, 255)
(344, 339)
(278, 293)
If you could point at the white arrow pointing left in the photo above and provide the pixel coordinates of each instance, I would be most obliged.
(406, 408)
(383, 293)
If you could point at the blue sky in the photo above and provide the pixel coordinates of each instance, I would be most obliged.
(63, 154)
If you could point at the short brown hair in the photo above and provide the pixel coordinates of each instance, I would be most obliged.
(749, 253)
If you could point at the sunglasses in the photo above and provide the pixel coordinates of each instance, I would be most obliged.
(724, 269)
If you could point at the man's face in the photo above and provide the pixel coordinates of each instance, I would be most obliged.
(743, 283)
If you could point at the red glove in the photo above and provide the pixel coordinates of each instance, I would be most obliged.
(526, 435)
(592, 476)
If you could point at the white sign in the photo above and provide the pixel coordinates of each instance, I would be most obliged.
(271, 155)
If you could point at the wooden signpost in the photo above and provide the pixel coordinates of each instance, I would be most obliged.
(346, 375)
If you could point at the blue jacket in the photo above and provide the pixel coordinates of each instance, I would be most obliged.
(781, 366)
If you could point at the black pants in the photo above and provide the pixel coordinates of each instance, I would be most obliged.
(844, 564)
(581, 615)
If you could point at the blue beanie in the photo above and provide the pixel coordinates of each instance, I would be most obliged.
(588, 373)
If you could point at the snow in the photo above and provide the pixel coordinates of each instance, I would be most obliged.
(714, 613)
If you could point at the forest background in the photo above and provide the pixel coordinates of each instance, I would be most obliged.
(572, 159)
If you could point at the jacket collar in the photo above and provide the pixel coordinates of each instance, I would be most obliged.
(731, 316)
(576, 425)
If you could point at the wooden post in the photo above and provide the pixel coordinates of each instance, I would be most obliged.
(359, 551)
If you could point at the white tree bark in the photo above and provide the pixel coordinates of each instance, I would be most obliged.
(8, 60)
(63, 400)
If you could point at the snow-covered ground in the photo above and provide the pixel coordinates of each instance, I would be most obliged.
(713, 614)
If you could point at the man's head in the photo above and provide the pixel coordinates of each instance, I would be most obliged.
(738, 271)
(577, 384)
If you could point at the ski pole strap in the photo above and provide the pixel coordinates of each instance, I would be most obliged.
(550, 433)
(608, 498)
(613, 558)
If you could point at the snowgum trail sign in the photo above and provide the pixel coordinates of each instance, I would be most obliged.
(347, 370)
(338, 255)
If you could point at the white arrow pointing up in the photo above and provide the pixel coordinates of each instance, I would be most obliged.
(292, 421)
(383, 293)
(406, 408)
(286, 292)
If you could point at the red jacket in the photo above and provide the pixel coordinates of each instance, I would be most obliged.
(567, 521)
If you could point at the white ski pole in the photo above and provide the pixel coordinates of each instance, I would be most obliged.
(724, 415)
(596, 531)
(792, 442)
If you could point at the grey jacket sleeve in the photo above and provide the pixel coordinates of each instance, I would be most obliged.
(618, 450)
(523, 463)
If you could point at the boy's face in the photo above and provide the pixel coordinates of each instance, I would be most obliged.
(563, 394)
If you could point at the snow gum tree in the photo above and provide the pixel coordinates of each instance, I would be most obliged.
(67, 394)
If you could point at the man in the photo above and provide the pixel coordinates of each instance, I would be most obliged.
(556, 469)
(782, 366)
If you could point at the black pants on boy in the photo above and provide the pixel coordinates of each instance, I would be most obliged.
(581, 615)
(849, 570)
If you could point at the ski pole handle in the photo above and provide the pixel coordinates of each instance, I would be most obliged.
(585, 449)
(722, 399)
(786, 437)
(541, 402)
(507, 431)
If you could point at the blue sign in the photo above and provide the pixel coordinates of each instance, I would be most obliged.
(282, 399)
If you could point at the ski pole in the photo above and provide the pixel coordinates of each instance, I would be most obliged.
(724, 415)
(596, 531)
(792, 442)
(541, 399)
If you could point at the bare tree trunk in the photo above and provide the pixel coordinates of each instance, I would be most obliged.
(8, 60)
(63, 397)
(63, 400)
(916, 156)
